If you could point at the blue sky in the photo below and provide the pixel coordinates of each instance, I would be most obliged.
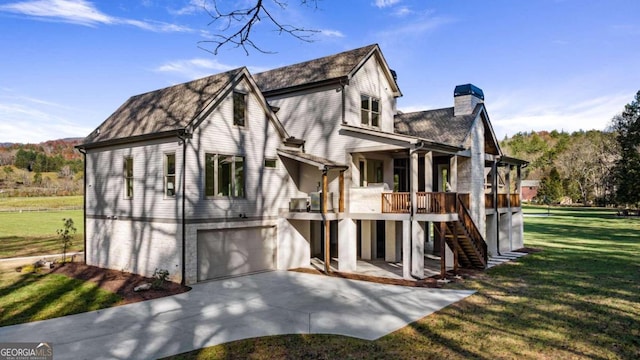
(66, 65)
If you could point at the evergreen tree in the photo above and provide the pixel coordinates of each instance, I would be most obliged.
(627, 169)
(551, 187)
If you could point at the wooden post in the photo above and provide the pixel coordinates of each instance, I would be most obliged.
(341, 195)
(455, 251)
(327, 229)
(443, 250)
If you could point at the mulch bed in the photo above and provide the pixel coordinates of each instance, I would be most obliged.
(123, 283)
(119, 282)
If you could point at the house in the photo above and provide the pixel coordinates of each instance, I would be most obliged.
(238, 173)
(529, 189)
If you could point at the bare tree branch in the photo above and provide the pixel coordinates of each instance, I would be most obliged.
(248, 18)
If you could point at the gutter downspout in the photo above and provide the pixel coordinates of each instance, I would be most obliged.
(84, 204)
(183, 135)
(344, 101)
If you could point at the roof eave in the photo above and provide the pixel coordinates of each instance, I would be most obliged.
(177, 133)
(306, 86)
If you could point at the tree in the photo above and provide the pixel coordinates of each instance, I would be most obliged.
(238, 24)
(579, 164)
(551, 187)
(66, 236)
(626, 172)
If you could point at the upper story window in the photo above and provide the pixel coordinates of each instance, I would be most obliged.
(270, 163)
(128, 177)
(224, 175)
(170, 175)
(369, 111)
(239, 108)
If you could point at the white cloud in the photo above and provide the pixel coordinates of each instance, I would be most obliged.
(30, 120)
(84, 13)
(402, 11)
(196, 68)
(78, 12)
(385, 3)
(420, 25)
(332, 33)
(193, 7)
(510, 115)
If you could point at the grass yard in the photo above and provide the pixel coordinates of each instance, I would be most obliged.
(45, 202)
(579, 298)
(34, 233)
(32, 297)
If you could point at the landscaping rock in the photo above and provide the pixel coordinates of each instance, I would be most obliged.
(143, 287)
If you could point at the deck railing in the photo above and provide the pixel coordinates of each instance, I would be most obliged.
(504, 200)
(426, 203)
(396, 202)
(439, 202)
(515, 200)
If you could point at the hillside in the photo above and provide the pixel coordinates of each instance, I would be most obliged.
(52, 167)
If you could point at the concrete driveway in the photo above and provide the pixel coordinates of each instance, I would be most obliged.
(216, 312)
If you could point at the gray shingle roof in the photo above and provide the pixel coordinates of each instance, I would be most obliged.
(314, 71)
(438, 125)
(311, 159)
(171, 108)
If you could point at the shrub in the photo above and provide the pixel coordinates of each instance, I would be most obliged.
(160, 276)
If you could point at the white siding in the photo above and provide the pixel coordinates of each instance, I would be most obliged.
(265, 189)
(370, 80)
(105, 181)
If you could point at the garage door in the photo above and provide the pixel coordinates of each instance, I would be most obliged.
(235, 251)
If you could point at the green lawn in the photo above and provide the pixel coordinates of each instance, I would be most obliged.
(34, 233)
(46, 202)
(32, 297)
(579, 298)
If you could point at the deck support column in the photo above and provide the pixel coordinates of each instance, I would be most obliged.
(443, 250)
(417, 249)
(453, 173)
(390, 241)
(428, 172)
(327, 229)
(347, 245)
(406, 249)
(365, 239)
(341, 192)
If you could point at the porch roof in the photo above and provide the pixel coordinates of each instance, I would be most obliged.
(313, 160)
(507, 160)
(404, 140)
(438, 125)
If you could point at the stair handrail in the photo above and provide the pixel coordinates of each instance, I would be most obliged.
(477, 239)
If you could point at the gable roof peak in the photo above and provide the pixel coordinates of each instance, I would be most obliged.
(317, 71)
(167, 109)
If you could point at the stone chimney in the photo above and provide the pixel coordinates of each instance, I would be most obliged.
(466, 97)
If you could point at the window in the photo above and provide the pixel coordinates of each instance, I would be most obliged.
(270, 163)
(239, 108)
(170, 175)
(224, 175)
(369, 111)
(128, 177)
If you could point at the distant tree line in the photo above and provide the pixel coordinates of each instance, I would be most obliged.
(588, 167)
(26, 169)
(41, 162)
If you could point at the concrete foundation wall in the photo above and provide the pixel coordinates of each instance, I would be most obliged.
(294, 249)
(135, 246)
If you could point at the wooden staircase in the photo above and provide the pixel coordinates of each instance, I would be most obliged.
(464, 238)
